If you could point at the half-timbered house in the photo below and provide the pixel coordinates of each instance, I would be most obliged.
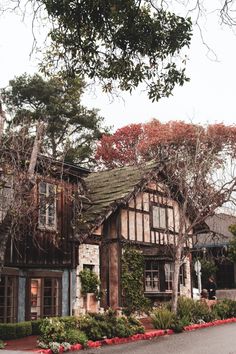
(129, 205)
(37, 256)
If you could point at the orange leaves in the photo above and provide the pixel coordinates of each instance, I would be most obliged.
(137, 142)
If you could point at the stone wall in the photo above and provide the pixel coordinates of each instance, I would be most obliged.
(88, 255)
(226, 294)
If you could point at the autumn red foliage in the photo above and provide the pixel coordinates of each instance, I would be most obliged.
(137, 142)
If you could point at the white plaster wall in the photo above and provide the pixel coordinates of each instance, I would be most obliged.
(88, 254)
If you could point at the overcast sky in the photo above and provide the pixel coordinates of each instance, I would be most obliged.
(208, 98)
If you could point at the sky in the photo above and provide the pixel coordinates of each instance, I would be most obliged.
(208, 98)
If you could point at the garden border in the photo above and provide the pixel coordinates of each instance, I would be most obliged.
(136, 337)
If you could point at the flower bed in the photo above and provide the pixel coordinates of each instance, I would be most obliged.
(116, 340)
(142, 336)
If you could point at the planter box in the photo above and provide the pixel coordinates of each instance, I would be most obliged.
(91, 303)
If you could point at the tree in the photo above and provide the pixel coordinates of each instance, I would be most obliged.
(232, 244)
(195, 163)
(121, 43)
(70, 128)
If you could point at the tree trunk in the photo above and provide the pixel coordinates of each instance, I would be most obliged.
(35, 150)
(2, 120)
(175, 287)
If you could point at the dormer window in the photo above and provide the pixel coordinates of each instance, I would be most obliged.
(47, 205)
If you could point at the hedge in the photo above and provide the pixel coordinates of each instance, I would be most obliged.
(15, 330)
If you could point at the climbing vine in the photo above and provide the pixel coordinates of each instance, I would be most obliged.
(132, 281)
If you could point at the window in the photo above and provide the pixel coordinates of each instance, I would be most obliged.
(47, 205)
(45, 295)
(169, 274)
(160, 217)
(8, 299)
(152, 280)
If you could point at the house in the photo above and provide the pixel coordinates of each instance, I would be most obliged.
(84, 220)
(129, 205)
(37, 255)
(213, 245)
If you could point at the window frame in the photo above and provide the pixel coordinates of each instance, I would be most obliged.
(161, 208)
(152, 271)
(55, 307)
(47, 225)
(13, 299)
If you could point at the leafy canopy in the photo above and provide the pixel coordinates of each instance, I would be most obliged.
(71, 128)
(120, 43)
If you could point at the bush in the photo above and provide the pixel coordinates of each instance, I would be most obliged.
(15, 330)
(2, 344)
(70, 322)
(89, 282)
(225, 308)
(74, 336)
(162, 318)
(179, 324)
(36, 326)
(193, 311)
(53, 330)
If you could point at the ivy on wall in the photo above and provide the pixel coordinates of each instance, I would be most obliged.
(132, 280)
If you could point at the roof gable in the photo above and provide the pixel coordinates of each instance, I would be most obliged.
(107, 190)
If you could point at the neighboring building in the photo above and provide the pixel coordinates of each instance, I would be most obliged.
(213, 245)
(129, 205)
(38, 264)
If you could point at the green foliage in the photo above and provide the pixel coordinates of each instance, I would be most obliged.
(208, 268)
(162, 318)
(69, 322)
(2, 344)
(193, 311)
(71, 129)
(232, 244)
(120, 43)
(74, 336)
(53, 330)
(15, 330)
(36, 326)
(132, 281)
(107, 325)
(89, 282)
(225, 308)
(179, 324)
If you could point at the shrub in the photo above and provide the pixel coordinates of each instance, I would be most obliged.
(36, 326)
(222, 309)
(89, 282)
(53, 330)
(193, 311)
(74, 336)
(69, 322)
(15, 330)
(225, 308)
(179, 324)
(2, 344)
(162, 318)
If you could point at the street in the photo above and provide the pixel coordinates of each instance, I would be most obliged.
(212, 340)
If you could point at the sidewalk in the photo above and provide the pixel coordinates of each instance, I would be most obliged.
(22, 345)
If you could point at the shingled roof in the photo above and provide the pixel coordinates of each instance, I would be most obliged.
(106, 190)
(219, 234)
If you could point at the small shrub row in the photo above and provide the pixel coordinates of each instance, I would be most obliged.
(15, 330)
(191, 312)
